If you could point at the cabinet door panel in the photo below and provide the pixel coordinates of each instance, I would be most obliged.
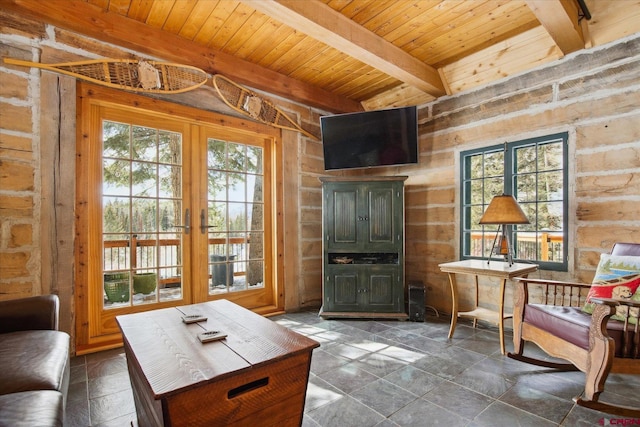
(343, 206)
(383, 289)
(341, 290)
(380, 215)
(346, 289)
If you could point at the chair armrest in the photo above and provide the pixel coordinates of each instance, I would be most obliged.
(32, 313)
(628, 345)
(615, 302)
(556, 292)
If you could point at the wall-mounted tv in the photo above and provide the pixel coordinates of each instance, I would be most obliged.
(370, 138)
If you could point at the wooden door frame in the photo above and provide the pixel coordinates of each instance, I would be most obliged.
(87, 95)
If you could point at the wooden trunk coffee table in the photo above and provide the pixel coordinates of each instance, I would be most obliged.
(257, 375)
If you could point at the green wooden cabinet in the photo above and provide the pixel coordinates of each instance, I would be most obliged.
(363, 247)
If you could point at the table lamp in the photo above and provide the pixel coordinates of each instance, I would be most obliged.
(502, 211)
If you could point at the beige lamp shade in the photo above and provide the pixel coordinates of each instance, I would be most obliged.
(503, 209)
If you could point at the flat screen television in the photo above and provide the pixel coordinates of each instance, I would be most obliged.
(371, 138)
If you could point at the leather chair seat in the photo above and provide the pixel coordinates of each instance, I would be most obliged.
(34, 360)
(572, 325)
(43, 408)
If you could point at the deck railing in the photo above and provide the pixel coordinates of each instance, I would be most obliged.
(546, 247)
(118, 256)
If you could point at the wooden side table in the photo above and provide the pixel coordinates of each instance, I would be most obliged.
(477, 268)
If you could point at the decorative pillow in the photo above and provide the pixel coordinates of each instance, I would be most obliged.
(617, 276)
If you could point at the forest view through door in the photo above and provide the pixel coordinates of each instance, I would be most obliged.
(236, 219)
(143, 208)
(182, 215)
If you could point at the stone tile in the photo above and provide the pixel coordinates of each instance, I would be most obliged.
(77, 373)
(387, 374)
(109, 384)
(78, 361)
(78, 401)
(347, 351)
(348, 378)
(551, 383)
(129, 420)
(321, 361)
(320, 393)
(387, 423)
(77, 413)
(307, 421)
(445, 368)
(458, 399)
(369, 345)
(111, 363)
(484, 382)
(345, 411)
(414, 380)
(110, 407)
(509, 368)
(427, 345)
(500, 414)
(461, 333)
(532, 400)
(398, 335)
(482, 342)
(406, 355)
(379, 364)
(584, 417)
(460, 355)
(369, 326)
(384, 397)
(421, 413)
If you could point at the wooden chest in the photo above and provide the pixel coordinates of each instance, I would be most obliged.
(256, 376)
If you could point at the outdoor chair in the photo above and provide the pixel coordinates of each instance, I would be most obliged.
(572, 322)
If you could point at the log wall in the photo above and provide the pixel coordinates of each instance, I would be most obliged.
(594, 95)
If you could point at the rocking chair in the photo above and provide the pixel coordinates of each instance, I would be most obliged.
(590, 342)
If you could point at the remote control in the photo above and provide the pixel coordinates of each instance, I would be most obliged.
(211, 336)
(193, 318)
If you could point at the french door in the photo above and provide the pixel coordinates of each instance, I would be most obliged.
(176, 211)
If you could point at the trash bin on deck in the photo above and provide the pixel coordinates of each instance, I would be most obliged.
(222, 270)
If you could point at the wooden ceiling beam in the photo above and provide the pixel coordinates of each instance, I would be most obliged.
(560, 19)
(317, 20)
(92, 21)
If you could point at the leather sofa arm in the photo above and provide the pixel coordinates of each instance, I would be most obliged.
(32, 313)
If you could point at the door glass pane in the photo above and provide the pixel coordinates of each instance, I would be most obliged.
(141, 194)
(235, 216)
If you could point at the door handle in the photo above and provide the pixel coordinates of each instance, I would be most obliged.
(187, 222)
(203, 223)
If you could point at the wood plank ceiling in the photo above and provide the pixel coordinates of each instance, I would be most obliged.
(339, 55)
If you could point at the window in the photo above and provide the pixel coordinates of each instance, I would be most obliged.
(534, 171)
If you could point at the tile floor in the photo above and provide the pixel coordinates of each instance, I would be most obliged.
(386, 373)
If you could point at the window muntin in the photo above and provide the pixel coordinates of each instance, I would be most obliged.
(142, 202)
(535, 172)
(235, 216)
